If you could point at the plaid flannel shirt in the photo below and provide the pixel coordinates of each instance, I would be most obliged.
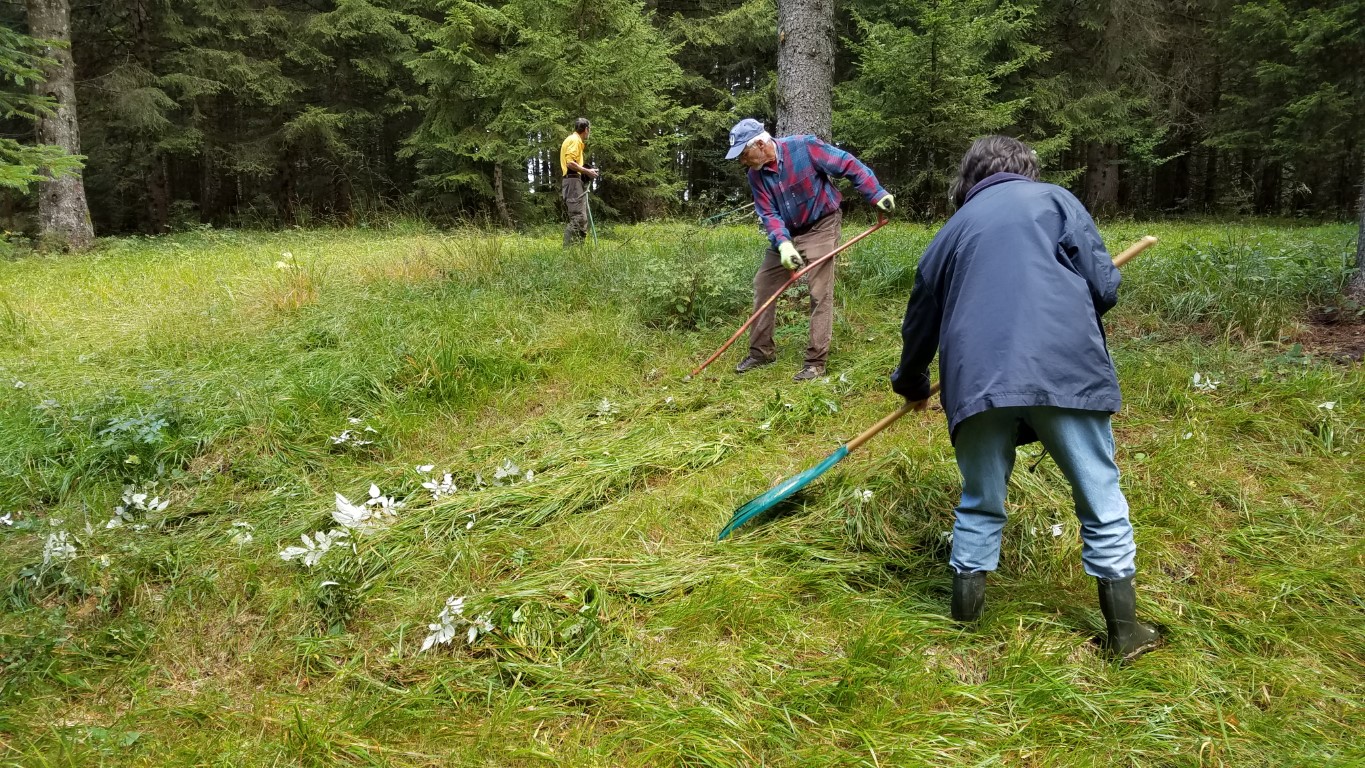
(798, 192)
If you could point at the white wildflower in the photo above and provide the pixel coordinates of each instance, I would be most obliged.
(425, 468)
(241, 534)
(530, 475)
(469, 526)
(1204, 383)
(607, 408)
(480, 625)
(313, 548)
(446, 624)
(350, 437)
(766, 425)
(384, 507)
(1329, 405)
(19, 385)
(866, 495)
(1056, 530)
(134, 502)
(443, 488)
(507, 470)
(58, 548)
(350, 516)
(7, 518)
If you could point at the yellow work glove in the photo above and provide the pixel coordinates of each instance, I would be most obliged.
(887, 204)
(791, 258)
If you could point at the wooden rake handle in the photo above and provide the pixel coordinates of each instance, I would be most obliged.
(889, 419)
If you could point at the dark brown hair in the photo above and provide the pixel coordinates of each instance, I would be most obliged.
(992, 154)
(580, 125)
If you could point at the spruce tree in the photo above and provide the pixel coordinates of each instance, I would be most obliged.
(22, 165)
(929, 80)
(504, 83)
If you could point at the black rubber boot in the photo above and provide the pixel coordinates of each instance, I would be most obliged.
(969, 595)
(1126, 637)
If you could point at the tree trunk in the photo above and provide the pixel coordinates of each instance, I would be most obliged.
(158, 179)
(1268, 190)
(62, 212)
(499, 199)
(805, 67)
(158, 195)
(1356, 290)
(1102, 177)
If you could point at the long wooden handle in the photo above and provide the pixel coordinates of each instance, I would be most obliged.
(889, 419)
(881, 222)
(1134, 249)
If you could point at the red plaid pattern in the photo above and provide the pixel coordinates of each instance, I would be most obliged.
(798, 192)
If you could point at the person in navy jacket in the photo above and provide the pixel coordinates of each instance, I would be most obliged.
(1010, 294)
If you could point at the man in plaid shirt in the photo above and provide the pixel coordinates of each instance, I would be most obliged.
(799, 208)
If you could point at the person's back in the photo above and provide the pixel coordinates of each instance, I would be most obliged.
(1020, 319)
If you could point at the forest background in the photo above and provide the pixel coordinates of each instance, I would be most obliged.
(288, 112)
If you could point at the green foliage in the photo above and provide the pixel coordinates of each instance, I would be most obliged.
(22, 165)
(929, 80)
(1245, 289)
(699, 283)
(500, 78)
(1290, 100)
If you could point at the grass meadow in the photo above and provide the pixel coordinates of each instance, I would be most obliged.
(532, 492)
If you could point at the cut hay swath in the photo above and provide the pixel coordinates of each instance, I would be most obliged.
(784, 490)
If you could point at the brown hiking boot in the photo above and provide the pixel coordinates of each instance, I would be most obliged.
(749, 363)
(810, 372)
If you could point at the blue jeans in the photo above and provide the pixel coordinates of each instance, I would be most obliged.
(1082, 444)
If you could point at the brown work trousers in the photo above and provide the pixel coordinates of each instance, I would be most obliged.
(819, 240)
(576, 200)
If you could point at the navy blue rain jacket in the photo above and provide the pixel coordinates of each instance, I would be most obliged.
(1011, 291)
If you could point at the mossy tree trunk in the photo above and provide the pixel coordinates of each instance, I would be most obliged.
(63, 216)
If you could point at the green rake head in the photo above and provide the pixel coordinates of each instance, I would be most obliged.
(779, 493)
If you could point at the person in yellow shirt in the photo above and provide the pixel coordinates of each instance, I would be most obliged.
(575, 193)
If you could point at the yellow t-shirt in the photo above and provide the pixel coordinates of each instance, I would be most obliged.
(571, 149)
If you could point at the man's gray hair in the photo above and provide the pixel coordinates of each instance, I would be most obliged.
(765, 136)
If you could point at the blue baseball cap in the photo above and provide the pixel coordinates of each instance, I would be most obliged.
(743, 133)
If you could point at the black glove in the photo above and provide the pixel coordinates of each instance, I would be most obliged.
(913, 387)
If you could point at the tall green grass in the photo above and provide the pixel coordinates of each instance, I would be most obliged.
(199, 370)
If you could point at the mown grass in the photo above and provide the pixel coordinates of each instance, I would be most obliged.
(213, 370)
